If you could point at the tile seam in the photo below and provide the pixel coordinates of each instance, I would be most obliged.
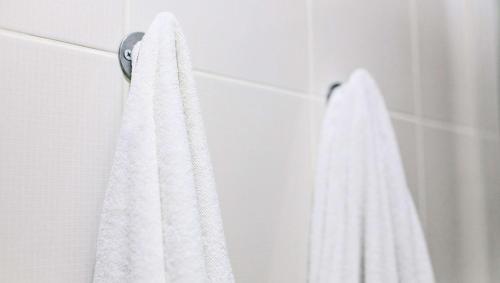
(56, 42)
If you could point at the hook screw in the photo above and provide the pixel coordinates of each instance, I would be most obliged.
(127, 54)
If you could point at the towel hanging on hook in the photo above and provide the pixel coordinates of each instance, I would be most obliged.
(125, 52)
(160, 220)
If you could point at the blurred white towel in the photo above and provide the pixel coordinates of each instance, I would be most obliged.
(364, 224)
(160, 220)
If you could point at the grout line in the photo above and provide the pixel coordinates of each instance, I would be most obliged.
(313, 136)
(313, 124)
(55, 42)
(310, 45)
(436, 124)
(417, 92)
(102, 52)
(475, 199)
(418, 120)
(244, 82)
(126, 17)
(126, 29)
(87, 49)
(445, 126)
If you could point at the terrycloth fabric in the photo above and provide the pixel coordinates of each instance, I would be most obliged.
(364, 224)
(160, 219)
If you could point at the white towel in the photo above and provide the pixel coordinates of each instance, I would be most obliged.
(364, 225)
(160, 219)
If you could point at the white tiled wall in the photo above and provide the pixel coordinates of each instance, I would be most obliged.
(92, 23)
(437, 64)
(60, 110)
(371, 34)
(260, 41)
(262, 69)
(261, 162)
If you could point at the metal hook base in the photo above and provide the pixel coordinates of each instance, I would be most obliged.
(125, 52)
(332, 89)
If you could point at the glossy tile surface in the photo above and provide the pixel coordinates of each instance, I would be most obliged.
(406, 133)
(375, 35)
(60, 111)
(260, 41)
(457, 191)
(458, 44)
(260, 150)
(91, 23)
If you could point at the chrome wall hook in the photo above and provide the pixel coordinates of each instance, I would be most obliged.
(332, 89)
(125, 52)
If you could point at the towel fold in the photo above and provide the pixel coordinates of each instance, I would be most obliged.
(160, 218)
(364, 225)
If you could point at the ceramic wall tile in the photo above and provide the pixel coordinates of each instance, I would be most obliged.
(96, 24)
(456, 200)
(60, 113)
(458, 44)
(260, 150)
(260, 41)
(364, 34)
